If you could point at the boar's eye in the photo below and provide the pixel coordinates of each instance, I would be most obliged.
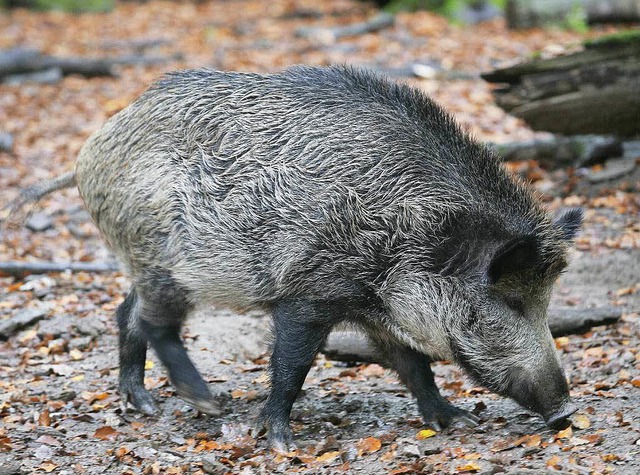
(516, 304)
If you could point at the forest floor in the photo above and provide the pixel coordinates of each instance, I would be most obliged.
(59, 408)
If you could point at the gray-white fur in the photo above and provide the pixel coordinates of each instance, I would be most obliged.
(332, 192)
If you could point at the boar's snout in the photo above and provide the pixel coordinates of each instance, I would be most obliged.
(546, 393)
(558, 419)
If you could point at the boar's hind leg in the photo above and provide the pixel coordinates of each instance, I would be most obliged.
(162, 312)
(414, 369)
(301, 328)
(133, 351)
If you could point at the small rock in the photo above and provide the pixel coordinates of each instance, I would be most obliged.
(60, 324)
(66, 396)
(10, 468)
(20, 320)
(350, 454)
(44, 452)
(81, 343)
(353, 405)
(90, 326)
(211, 465)
(6, 141)
(39, 222)
(410, 450)
(146, 452)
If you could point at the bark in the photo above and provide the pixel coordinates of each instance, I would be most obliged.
(352, 346)
(531, 13)
(576, 151)
(595, 91)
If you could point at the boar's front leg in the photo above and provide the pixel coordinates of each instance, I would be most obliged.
(414, 370)
(300, 327)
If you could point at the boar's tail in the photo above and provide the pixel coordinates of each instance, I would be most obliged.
(17, 210)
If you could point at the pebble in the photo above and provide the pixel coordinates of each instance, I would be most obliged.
(39, 222)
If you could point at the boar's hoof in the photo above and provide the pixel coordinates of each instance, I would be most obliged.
(201, 400)
(559, 420)
(140, 399)
(281, 440)
(446, 415)
(279, 437)
(207, 406)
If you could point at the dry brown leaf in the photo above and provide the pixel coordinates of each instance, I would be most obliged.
(372, 370)
(580, 421)
(328, 456)
(564, 434)
(106, 433)
(554, 462)
(368, 445)
(45, 418)
(470, 467)
(47, 467)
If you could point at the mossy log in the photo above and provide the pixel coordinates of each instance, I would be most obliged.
(594, 91)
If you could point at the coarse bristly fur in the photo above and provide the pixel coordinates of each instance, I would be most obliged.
(333, 184)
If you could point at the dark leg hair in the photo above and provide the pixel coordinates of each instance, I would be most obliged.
(414, 370)
(133, 351)
(301, 328)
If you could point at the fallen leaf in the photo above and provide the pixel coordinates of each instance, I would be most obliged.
(148, 364)
(554, 462)
(47, 467)
(580, 421)
(425, 434)
(470, 467)
(368, 445)
(372, 370)
(564, 434)
(328, 456)
(105, 433)
(528, 441)
(44, 419)
(594, 439)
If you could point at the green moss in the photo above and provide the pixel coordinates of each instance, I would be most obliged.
(615, 39)
(447, 8)
(76, 6)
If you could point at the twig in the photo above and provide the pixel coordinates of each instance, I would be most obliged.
(379, 22)
(17, 268)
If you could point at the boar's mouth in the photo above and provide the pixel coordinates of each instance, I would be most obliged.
(549, 396)
(559, 419)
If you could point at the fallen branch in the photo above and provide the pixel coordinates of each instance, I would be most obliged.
(17, 210)
(19, 61)
(19, 269)
(557, 151)
(574, 321)
(329, 35)
(349, 345)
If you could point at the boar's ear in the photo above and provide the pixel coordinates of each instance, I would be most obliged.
(516, 254)
(569, 222)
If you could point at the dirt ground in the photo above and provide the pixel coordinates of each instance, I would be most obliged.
(59, 408)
